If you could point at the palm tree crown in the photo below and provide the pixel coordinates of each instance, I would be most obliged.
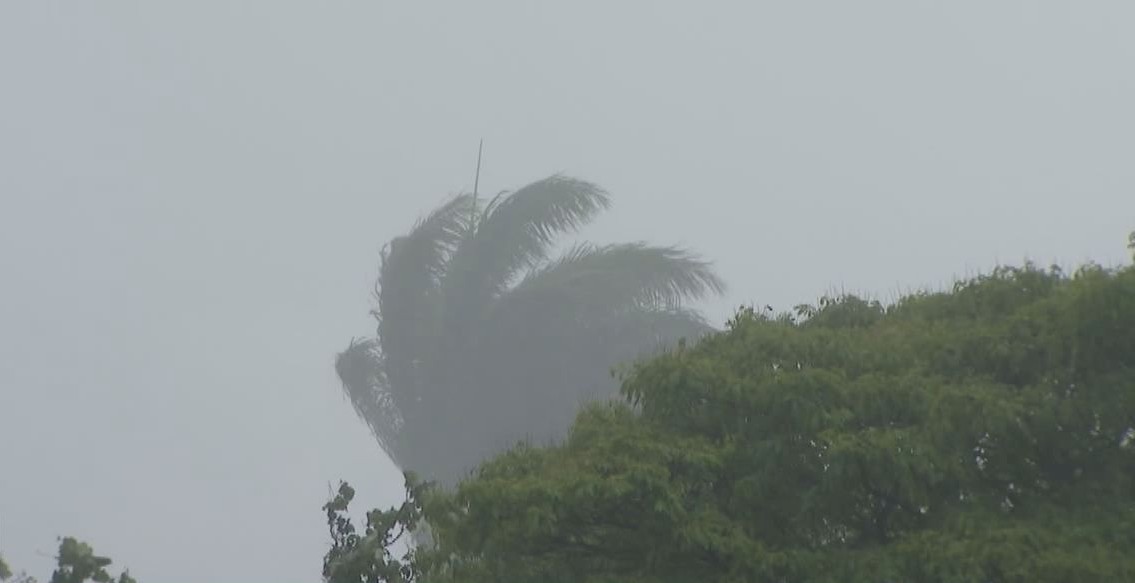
(483, 339)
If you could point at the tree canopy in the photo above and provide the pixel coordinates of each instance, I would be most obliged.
(485, 338)
(980, 434)
(76, 562)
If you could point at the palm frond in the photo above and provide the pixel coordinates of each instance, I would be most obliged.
(622, 276)
(516, 230)
(409, 278)
(463, 346)
(360, 371)
(420, 256)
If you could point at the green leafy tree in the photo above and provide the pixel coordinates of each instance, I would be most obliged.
(78, 563)
(979, 435)
(484, 339)
(367, 557)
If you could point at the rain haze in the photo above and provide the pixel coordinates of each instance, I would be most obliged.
(193, 198)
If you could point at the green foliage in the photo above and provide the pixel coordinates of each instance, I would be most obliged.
(984, 434)
(77, 563)
(484, 339)
(367, 557)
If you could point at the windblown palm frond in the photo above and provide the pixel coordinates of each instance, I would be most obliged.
(425, 250)
(360, 369)
(620, 277)
(516, 230)
(482, 340)
(408, 289)
(414, 264)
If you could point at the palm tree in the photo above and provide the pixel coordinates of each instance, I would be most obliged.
(484, 340)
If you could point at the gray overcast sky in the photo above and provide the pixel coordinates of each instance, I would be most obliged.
(193, 195)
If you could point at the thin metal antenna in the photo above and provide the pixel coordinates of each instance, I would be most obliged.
(477, 179)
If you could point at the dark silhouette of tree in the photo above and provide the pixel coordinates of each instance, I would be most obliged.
(484, 339)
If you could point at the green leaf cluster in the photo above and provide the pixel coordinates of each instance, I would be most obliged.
(76, 562)
(367, 557)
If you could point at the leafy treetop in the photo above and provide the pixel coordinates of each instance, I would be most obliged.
(76, 562)
(981, 434)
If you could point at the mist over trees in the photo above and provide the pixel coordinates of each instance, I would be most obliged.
(982, 434)
(985, 434)
(485, 339)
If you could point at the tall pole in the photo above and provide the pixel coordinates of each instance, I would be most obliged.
(477, 179)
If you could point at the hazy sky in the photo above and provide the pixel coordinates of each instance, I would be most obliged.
(193, 195)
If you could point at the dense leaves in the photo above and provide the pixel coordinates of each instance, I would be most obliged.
(484, 339)
(367, 557)
(984, 434)
(76, 562)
